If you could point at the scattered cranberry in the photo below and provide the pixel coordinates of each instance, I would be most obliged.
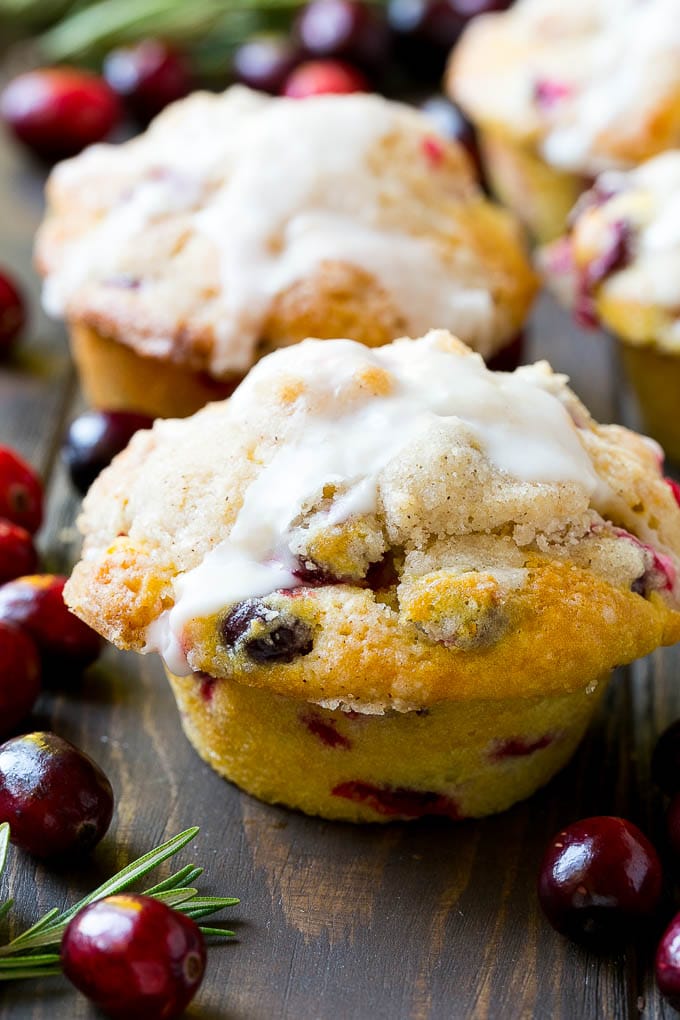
(265, 61)
(451, 123)
(277, 637)
(346, 30)
(21, 495)
(424, 31)
(598, 878)
(36, 604)
(12, 312)
(667, 963)
(17, 552)
(54, 797)
(147, 76)
(93, 440)
(666, 760)
(318, 77)
(57, 111)
(134, 957)
(19, 677)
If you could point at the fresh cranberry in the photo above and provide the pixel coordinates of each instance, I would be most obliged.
(54, 797)
(666, 760)
(451, 123)
(134, 957)
(147, 76)
(319, 77)
(265, 61)
(424, 33)
(264, 633)
(346, 30)
(667, 963)
(93, 440)
(599, 877)
(17, 552)
(57, 111)
(21, 494)
(398, 801)
(19, 677)
(12, 312)
(36, 604)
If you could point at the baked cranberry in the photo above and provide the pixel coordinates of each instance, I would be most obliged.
(399, 801)
(57, 111)
(54, 797)
(666, 760)
(36, 604)
(265, 61)
(19, 677)
(93, 440)
(451, 123)
(21, 494)
(134, 957)
(548, 92)
(147, 76)
(667, 963)
(318, 77)
(345, 29)
(12, 312)
(616, 255)
(265, 633)
(598, 879)
(674, 487)
(17, 552)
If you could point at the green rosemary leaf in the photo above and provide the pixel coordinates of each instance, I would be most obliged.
(209, 932)
(29, 972)
(173, 897)
(39, 925)
(214, 902)
(4, 844)
(29, 961)
(185, 876)
(195, 873)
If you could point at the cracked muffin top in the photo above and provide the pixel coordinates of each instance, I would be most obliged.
(239, 223)
(619, 264)
(593, 84)
(387, 527)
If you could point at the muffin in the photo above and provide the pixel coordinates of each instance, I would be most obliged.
(385, 582)
(563, 91)
(619, 266)
(240, 223)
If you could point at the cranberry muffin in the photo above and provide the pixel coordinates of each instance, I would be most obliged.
(240, 223)
(618, 266)
(562, 91)
(385, 582)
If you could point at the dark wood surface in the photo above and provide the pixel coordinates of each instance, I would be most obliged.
(430, 920)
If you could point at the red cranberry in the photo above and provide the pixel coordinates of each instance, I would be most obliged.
(12, 312)
(674, 487)
(277, 637)
(147, 76)
(54, 797)
(667, 963)
(599, 877)
(17, 552)
(666, 760)
(93, 440)
(399, 801)
(57, 111)
(424, 31)
(36, 604)
(347, 30)
(265, 61)
(451, 123)
(19, 677)
(134, 957)
(616, 255)
(21, 495)
(318, 77)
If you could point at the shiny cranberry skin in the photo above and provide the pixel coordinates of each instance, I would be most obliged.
(17, 552)
(54, 797)
(21, 494)
(666, 760)
(346, 30)
(320, 77)
(424, 31)
(147, 76)
(36, 604)
(667, 963)
(134, 957)
(19, 677)
(599, 877)
(93, 440)
(265, 61)
(57, 111)
(12, 312)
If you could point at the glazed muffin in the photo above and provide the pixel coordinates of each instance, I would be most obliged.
(562, 91)
(619, 266)
(240, 223)
(385, 583)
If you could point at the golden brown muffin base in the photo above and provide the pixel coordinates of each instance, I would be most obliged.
(655, 378)
(462, 759)
(115, 378)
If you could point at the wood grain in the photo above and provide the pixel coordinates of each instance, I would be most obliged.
(431, 921)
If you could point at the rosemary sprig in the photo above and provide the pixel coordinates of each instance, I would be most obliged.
(35, 952)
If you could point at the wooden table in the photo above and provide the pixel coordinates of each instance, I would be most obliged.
(428, 920)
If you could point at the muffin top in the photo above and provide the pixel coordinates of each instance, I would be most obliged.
(620, 261)
(387, 527)
(239, 223)
(593, 84)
